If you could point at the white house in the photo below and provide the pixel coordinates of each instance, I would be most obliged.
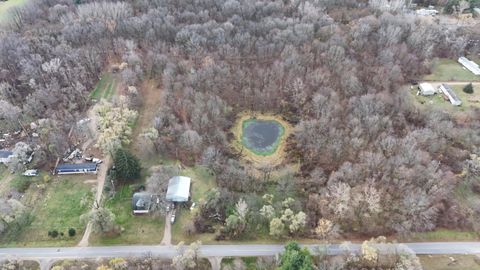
(5, 156)
(450, 94)
(426, 89)
(470, 65)
(178, 189)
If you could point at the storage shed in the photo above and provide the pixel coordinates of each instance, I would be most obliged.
(141, 202)
(426, 89)
(178, 189)
(450, 94)
(77, 168)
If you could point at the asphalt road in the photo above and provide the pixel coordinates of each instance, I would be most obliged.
(215, 250)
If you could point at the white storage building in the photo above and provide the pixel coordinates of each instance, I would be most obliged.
(178, 189)
(426, 89)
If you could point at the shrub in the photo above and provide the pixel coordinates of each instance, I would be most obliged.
(72, 232)
(468, 88)
(53, 233)
(21, 183)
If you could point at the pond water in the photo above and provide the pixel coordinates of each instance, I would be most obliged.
(262, 136)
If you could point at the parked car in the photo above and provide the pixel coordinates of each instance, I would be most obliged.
(172, 218)
(97, 160)
(193, 206)
(30, 173)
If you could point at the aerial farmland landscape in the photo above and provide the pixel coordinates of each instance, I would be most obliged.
(240, 134)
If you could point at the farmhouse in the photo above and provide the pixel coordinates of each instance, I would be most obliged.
(77, 168)
(5, 156)
(178, 189)
(470, 65)
(141, 202)
(450, 94)
(426, 89)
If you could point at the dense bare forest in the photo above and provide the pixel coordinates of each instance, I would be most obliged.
(371, 162)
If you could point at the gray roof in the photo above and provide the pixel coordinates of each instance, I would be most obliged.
(79, 166)
(141, 201)
(5, 153)
(452, 96)
(178, 189)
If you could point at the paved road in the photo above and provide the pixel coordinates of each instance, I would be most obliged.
(213, 250)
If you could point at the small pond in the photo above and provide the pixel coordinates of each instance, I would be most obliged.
(262, 136)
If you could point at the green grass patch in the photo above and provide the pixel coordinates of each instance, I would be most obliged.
(450, 70)
(445, 235)
(22, 183)
(270, 149)
(57, 207)
(6, 6)
(443, 262)
(139, 229)
(105, 88)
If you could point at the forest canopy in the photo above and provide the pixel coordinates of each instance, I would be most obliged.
(370, 161)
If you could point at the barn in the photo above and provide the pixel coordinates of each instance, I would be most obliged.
(80, 168)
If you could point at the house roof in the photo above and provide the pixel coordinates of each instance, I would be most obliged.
(470, 65)
(141, 201)
(178, 189)
(79, 166)
(426, 88)
(5, 153)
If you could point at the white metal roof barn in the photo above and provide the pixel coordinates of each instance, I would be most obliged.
(178, 189)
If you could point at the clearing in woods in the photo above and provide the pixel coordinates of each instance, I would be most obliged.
(5, 8)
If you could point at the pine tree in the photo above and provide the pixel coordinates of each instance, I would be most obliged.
(127, 166)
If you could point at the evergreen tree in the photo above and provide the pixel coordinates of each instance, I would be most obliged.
(468, 88)
(127, 166)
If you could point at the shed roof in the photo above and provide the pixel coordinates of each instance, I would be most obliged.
(78, 166)
(5, 153)
(178, 189)
(426, 89)
(141, 202)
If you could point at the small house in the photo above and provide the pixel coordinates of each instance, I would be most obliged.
(80, 168)
(426, 89)
(141, 202)
(470, 65)
(5, 156)
(450, 94)
(178, 189)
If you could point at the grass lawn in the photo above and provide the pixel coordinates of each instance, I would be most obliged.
(437, 101)
(140, 229)
(444, 235)
(450, 70)
(105, 88)
(443, 262)
(6, 6)
(57, 207)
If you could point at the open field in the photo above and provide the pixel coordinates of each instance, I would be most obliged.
(443, 235)
(140, 229)
(450, 70)
(6, 6)
(444, 262)
(57, 206)
(105, 88)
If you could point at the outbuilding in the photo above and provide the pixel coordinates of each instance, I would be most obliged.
(450, 94)
(79, 168)
(470, 65)
(141, 202)
(426, 89)
(5, 156)
(178, 189)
